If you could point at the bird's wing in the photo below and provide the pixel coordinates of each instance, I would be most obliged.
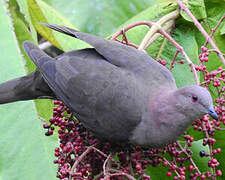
(122, 56)
(103, 96)
(114, 52)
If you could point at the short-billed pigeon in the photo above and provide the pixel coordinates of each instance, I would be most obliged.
(119, 93)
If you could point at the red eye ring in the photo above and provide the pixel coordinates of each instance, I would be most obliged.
(194, 98)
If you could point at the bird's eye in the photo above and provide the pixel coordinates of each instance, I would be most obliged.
(194, 98)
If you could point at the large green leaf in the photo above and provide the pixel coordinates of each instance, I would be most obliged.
(182, 72)
(201, 162)
(24, 9)
(99, 16)
(25, 152)
(215, 10)
(222, 30)
(41, 12)
(197, 8)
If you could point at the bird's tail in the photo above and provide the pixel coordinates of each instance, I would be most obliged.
(27, 87)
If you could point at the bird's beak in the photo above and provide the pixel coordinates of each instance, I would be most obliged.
(212, 113)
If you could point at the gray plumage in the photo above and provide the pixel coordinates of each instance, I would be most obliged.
(119, 93)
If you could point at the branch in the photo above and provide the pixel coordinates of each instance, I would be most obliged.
(120, 173)
(167, 27)
(128, 28)
(189, 157)
(106, 176)
(156, 26)
(80, 158)
(210, 145)
(174, 59)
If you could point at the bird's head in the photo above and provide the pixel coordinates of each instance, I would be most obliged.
(195, 101)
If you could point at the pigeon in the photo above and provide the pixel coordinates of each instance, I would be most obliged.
(119, 93)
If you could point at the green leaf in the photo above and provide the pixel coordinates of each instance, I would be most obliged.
(24, 9)
(21, 31)
(41, 12)
(222, 30)
(36, 17)
(25, 152)
(197, 8)
(201, 162)
(182, 72)
(99, 17)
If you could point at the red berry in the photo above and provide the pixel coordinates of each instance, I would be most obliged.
(205, 59)
(190, 168)
(218, 150)
(165, 163)
(182, 177)
(208, 174)
(191, 139)
(219, 172)
(204, 49)
(202, 176)
(45, 125)
(57, 154)
(169, 173)
(138, 166)
(182, 61)
(197, 68)
(182, 173)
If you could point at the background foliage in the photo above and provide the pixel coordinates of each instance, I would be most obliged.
(25, 152)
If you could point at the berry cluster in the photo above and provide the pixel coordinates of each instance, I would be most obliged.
(164, 63)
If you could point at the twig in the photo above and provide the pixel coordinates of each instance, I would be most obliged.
(214, 29)
(189, 157)
(174, 59)
(170, 166)
(128, 28)
(201, 29)
(167, 27)
(161, 48)
(104, 166)
(105, 155)
(220, 129)
(120, 173)
(79, 160)
(213, 50)
(128, 43)
(210, 146)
